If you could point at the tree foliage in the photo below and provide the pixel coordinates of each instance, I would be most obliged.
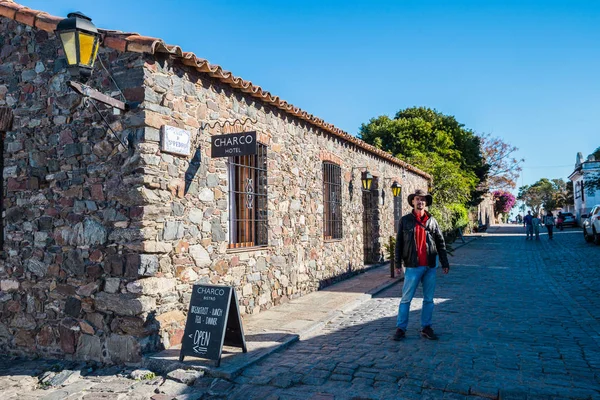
(592, 183)
(504, 168)
(437, 144)
(549, 194)
(503, 202)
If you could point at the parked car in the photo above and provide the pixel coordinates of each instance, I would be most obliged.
(591, 225)
(569, 219)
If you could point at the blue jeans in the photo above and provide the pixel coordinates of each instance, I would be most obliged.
(528, 231)
(412, 277)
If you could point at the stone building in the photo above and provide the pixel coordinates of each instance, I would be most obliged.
(103, 241)
(585, 199)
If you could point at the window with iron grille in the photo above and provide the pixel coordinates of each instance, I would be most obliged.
(332, 201)
(248, 222)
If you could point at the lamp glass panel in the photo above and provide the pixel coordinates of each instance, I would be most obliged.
(88, 48)
(367, 183)
(95, 53)
(69, 46)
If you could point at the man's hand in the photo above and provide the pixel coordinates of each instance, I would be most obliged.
(445, 270)
(396, 271)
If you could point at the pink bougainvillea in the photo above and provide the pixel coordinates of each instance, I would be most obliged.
(503, 201)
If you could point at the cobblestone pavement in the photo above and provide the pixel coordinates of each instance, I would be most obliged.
(517, 319)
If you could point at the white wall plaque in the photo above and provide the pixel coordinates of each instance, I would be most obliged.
(175, 140)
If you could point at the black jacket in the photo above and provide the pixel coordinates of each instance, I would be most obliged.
(406, 247)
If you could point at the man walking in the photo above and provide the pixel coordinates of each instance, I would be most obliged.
(418, 243)
(528, 224)
(549, 222)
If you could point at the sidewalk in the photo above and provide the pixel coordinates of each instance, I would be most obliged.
(274, 329)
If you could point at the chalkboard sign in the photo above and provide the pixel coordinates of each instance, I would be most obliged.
(213, 320)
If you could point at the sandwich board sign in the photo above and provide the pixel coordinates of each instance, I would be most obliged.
(213, 320)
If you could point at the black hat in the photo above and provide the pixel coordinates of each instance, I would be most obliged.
(422, 193)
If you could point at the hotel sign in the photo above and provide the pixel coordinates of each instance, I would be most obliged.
(235, 144)
(175, 140)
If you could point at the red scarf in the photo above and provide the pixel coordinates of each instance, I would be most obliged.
(421, 239)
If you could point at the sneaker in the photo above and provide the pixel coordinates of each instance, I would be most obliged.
(399, 335)
(427, 333)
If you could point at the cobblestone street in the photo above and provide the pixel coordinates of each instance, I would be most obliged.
(517, 319)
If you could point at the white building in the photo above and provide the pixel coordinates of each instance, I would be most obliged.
(584, 199)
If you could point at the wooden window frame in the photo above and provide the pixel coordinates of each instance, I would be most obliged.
(332, 201)
(248, 209)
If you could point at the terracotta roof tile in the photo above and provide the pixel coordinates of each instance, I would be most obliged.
(115, 42)
(134, 42)
(141, 44)
(26, 16)
(46, 22)
(9, 9)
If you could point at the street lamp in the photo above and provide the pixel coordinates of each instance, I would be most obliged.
(367, 180)
(396, 189)
(80, 41)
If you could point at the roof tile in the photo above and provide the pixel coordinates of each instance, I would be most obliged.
(26, 16)
(141, 44)
(47, 22)
(8, 9)
(115, 42)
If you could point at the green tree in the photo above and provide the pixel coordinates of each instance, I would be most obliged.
(592, 183)
(437, 144)
(551, 194)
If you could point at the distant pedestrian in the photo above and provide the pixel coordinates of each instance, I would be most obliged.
(418, 243)
(560, 218)
(549, 223)
(535, 223)
(528, 226)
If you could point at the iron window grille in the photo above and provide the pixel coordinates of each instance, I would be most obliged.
(248, 199)
(332, 193)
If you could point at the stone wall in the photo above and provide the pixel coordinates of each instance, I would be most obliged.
(104, 243)
(485, 210)
(71, 209)
(191, 239)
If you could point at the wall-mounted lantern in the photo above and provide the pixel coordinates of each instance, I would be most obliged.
(366, 180)
(396, 189)
(80, 41)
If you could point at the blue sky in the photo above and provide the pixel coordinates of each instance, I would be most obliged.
(525, 71)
